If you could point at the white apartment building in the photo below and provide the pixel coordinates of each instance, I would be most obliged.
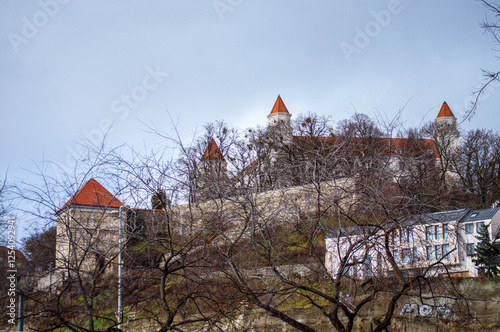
(441, 242)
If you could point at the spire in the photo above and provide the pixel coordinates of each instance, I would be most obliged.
(212, 152)
(445, 111)
(93, 193)
(279, 106)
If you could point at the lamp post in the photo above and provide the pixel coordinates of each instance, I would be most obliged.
(120, 316)
(120, 227)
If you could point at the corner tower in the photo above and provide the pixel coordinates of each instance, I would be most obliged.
(211, 180)
(87, 231)
(279, 121)
(446, 133)
(446, 137)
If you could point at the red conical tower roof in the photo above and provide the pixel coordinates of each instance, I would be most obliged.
(212, 151)
(279, 106)
(93, 193)
(445, 111)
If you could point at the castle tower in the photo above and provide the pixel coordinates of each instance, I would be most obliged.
(212, 173)
(87, 230)
(279, 122)
(446, 134)
(446, 137)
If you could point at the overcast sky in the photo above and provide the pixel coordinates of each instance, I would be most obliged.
(71, 68)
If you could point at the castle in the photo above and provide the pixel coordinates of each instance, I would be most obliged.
(89, 224)
(275, 164)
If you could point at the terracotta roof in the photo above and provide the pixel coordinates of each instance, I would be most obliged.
(445, 111)
(212, 152)
(410, 147)
(93, 193)
(397, 146)
(4, 253)
(279, 106)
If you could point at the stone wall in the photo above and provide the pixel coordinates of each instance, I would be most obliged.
(484, 306)
(274, 206)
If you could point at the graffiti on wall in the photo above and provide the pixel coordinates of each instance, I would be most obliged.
(425, 310)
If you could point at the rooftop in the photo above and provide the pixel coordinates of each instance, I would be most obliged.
(93, 193)
(445, 111)
(279, 106)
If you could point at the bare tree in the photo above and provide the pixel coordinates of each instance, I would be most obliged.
(346, 183)
(250, 213)
(40, 249)
(479, 166)
(491, 27)
(77, 291)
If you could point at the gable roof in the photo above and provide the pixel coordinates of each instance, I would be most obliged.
(279, 106)
(212, 152)
(445, 111)
(93, 193)
(479, 215)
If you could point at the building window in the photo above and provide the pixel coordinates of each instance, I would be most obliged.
(403, 236)
(446, 250)
(394, 237)
(415, 253)
(469, 228)
(479, 226)
(436, 232)
(395, 254)
(367, 266)
(411, 237)
(379, 262)
(445, 231)
(469, 248)
(438, 252)
(429, 233)
(406, 255)
(429, 253)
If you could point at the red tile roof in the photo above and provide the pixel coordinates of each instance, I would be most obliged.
(408, 147)
(279, 106)
(445, 111)
(93, 193)
(212, 152)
